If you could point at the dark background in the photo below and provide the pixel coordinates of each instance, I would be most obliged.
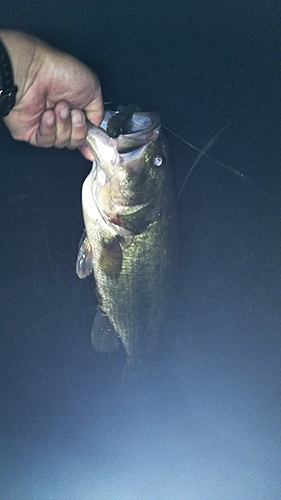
(209, 427)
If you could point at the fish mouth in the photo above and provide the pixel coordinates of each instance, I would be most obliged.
(144, 128)
(126, 150)
(139, 126)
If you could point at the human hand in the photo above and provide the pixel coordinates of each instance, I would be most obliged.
(56, 93)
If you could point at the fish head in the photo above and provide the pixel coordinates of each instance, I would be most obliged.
(130, 173)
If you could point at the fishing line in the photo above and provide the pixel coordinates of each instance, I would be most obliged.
(203, 152)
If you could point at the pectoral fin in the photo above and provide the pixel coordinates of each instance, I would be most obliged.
(84, 261)
(110, 261)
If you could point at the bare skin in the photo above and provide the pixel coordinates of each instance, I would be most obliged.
(56, 93)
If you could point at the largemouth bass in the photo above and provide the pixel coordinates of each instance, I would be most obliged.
(131, 234)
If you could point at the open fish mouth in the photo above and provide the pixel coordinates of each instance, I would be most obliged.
(141, 129)
(131, 126)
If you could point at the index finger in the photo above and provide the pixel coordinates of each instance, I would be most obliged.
(95, 109)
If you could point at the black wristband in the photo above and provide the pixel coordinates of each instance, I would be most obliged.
(8, 89)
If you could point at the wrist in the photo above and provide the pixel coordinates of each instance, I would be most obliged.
(21, 51)
(8, 89)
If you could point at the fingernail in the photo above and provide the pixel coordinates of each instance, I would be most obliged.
(64, 113)
(50, 120)
(78, 118)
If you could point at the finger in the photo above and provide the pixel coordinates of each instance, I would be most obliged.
(78, 129)
(95, 110)
(87, 153)
(63, 124)
(46, 134)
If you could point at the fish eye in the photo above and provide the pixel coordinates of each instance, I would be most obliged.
(157, 160)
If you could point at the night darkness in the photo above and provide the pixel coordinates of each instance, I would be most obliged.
(209, 427)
